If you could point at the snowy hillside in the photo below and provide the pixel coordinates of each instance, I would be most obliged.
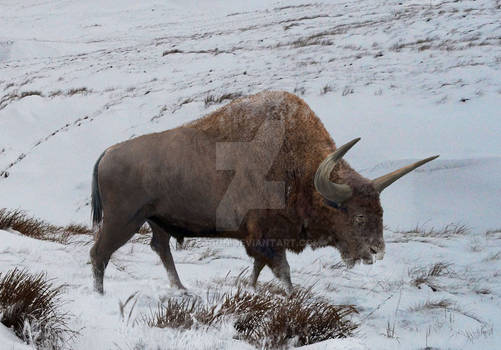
(412, 78)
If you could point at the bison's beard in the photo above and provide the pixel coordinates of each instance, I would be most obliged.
(364, 255)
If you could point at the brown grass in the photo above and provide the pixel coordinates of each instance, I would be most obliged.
(35, 228)
(450, 230)
(75, 91)
(145, 229)
(30, 93)
(78, 229)
(28, 226)
(484, 328)
(325, 89)
(496, 234)
(211, 99)
(347, 91)
(265, 319)
(170, 52)
(14, 96)
(433, 305)
(175, 313)
(428, 275)
(30, 306)
(189, 243)
(70, 92)
(304, 42)
(242, 280)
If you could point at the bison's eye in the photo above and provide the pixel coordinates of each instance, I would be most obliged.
(359, 220)
(335, 205)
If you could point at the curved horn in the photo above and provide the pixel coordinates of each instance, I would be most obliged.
(386, 180)
(330, 190)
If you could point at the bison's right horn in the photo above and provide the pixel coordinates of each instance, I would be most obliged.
(334, 192)
(386, 180)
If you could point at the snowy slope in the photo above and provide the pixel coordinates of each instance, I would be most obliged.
(412, 78)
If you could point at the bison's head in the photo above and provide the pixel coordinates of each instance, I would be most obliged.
(352, 209)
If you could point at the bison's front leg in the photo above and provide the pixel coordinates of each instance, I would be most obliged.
(258, 266)
(281, 269)
(275, 259)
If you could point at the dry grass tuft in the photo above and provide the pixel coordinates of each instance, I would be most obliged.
(190, 243)
(428, 275)
(212, 100)
(450, 230)
(28, 226)
(170, 52)
(267, 320)
(311, 41)
(145, 230)
(493, 257)
(493, 234)
(78, 229)
(448, 305)
(347, 91)
(242, 280)
(35, 228)
(433, 305)
(175, 313)
(29, 305)
(326, 89)
(143, 235)
(14, 96)
(30, 93)
(70, 92)
(75, 91)
(300, 90)
(300, 319)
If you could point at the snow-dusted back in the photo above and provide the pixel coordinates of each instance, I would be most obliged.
(412, 78)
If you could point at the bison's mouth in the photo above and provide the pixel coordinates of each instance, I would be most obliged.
(368, 258)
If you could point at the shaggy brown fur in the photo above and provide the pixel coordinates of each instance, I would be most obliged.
(306, 144)
(170, 180)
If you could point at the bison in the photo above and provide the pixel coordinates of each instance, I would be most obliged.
(262, 169)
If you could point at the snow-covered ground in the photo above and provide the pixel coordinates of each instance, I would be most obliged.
(412, 78)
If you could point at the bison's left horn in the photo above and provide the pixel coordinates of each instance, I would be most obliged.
(337, 193)
(386, 180)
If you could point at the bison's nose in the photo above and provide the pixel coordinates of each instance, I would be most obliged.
(377, 251)
(368, 260)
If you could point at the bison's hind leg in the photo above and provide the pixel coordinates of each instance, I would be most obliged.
(160, 244)
(112, 235)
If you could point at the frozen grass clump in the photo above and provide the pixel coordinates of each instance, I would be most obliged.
(450, 230)
(266, 320)
(28, 226)
(36, 228)
(30, 306)
(211, 99)
(428, 275)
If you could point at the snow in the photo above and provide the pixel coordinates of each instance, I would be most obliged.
(9, 340)
(413, 79)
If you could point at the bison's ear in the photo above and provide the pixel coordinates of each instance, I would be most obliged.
(386, 180)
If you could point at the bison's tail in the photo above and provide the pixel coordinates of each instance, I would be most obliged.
(96, 204)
